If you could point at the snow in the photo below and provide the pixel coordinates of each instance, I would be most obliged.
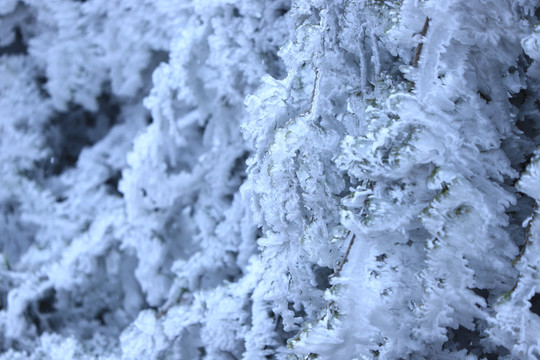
(288, 179)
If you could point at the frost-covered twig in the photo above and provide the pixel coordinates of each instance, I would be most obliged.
(315, 83)
(376, 54)
(345, 258)
(169, 304)
(421, 43)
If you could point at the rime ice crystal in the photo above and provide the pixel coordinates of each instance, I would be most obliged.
(269, 179)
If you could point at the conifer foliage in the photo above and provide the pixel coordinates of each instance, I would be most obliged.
(285, 179)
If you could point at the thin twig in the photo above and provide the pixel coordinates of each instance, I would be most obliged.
(362, 56)
(315, 83)
(345, 258)
(421, 43)
(166, 307)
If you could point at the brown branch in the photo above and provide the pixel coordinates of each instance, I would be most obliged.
(345, 258)
(421, 43)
